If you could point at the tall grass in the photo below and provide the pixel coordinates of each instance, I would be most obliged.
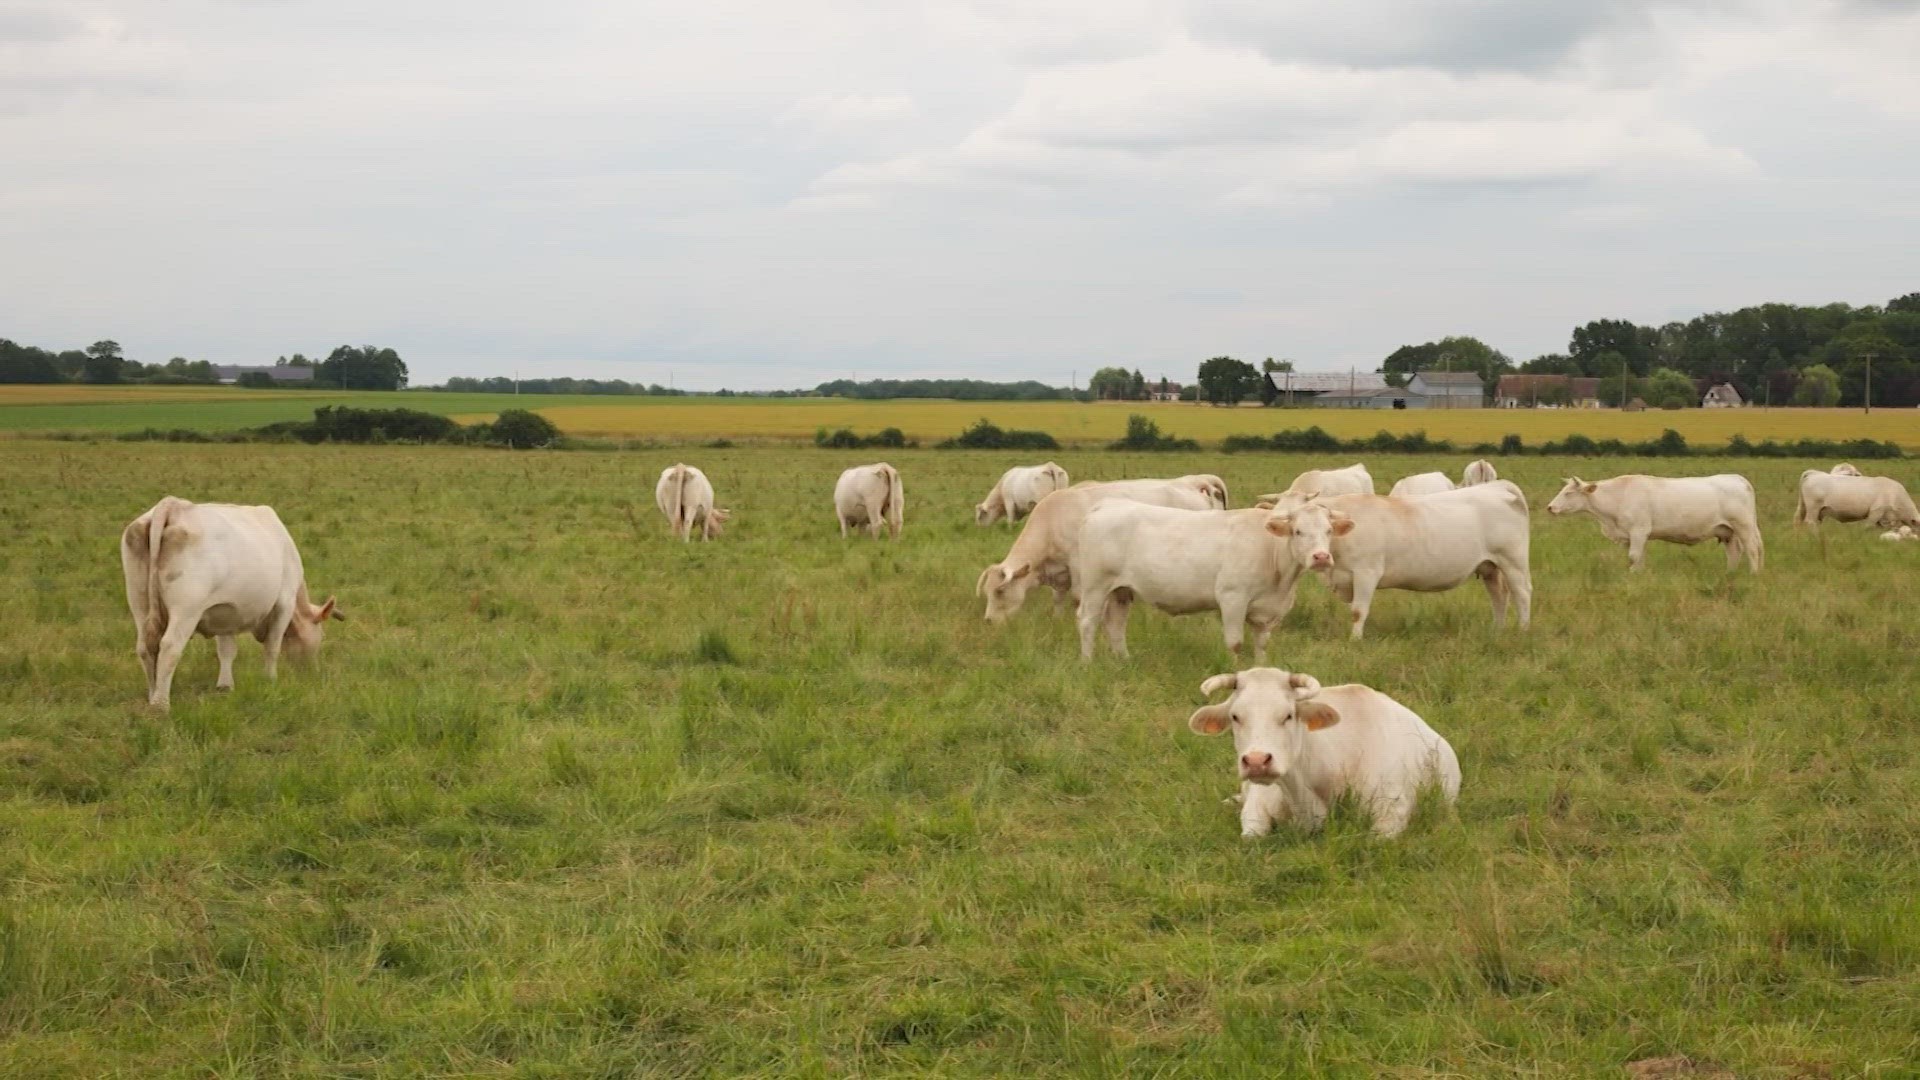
(563, 800)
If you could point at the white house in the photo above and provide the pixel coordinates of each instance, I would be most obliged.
(1721, 396)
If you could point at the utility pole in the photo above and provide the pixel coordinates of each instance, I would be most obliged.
(1869, 398)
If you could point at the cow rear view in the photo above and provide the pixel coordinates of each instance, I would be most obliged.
(216, 570)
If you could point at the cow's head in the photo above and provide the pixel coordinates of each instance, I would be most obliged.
(985, 514)
(1309, 530)
(1005, 589)
(1845, 468)
(307, 628)
(1573, 497)
(1271, 712)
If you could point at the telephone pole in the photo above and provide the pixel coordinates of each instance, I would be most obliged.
(1868, 402)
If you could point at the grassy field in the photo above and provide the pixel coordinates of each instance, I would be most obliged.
(565, 798)
(30, 409)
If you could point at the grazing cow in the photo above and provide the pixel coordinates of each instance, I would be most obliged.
(1360, 543)
(1904, 532)
(1879, 500)
(1301, 745)
(216, 570)
(1845, 468)
(1478, 472)
(1018, 491)
(1180, 561)
(686, 497)
(1354, 479)
(1426, 483)
(1044, 550)
(1634, 509)
(1208, 485)
(870, 496)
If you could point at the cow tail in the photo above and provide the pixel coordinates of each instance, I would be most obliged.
(676, 494)
(896, 500)
(156, 534)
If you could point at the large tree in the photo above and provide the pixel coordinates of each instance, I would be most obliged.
(1459, 353)
(363, 368)
(1226, 381)
(27, 364)
(104, 363)
(1110, 384)
(1638, 344)
(1819, 386)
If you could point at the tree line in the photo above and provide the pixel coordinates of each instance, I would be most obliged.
(365, 367)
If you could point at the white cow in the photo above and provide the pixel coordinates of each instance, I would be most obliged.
(870, 496)
(1361, 543)
(1904, 532)
(1426, 483)
(1354, 479)
(686, 496)
(1879, 500)
(1845, 468)
(1208, 485)
(1044, 550)
(216, 570)
(1018, 491)
(1634, 509)
(1478, 472)
(1301, 745)
(1180, 561)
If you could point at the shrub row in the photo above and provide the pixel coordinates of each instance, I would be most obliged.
(986, 436)
(519, 429)
(1144, 434)
(1670, 444)
(845, 439)
(1314, 439)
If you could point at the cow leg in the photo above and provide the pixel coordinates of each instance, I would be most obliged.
(1060, 593)
(1636, 550)
(1755, 548)
(1261, 632)
(1119, 604)
(1733, 545)
(276, 636)
(172, 644)
(1092, 606)
(226, 646)
(1362, 603)
(1519, 582)
(1260, 806)
(1496, 591)
(1233, 623)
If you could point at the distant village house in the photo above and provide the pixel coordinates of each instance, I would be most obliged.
(280, 373)
(1546, 391)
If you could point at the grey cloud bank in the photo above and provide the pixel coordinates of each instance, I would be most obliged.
(771, 196)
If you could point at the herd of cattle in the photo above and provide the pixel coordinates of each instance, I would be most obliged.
(220, 570)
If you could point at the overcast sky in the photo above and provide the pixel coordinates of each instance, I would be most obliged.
(763, 195)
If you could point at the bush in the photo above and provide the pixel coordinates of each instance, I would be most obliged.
(255, 380)
(1144, 434)
(845, 439)
(1512, 444)
(339, 423)
(986, 436)
(521, 429)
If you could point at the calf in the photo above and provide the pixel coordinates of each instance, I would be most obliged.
(1301, 745)
(216, 570)
(1044, 551)
(1360, 543)
(1018, 491)
(1180, 561)
(1426, 483)
(870, 496)
(685, 496)
(1633, 509)
(1879, 500)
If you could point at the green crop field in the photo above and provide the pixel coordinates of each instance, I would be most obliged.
(43, 409)
(566, 798)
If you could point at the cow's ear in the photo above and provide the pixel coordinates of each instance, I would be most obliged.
(1280, 525)
(1316, 714)
(1342, 524)
(1588, 488)
(1210, 719)
(326, 611)
(1025, 569)
(990, 578)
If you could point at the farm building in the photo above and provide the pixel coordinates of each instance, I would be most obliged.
(1534, 391)
(1445, 390)
(1163, 391)
(280, 373)
(1335, 389)
(1721, 396)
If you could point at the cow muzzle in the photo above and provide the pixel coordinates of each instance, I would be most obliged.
(1257, 766)
(1322, 560)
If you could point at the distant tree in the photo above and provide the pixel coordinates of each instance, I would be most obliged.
(1268, 392)
(522, 430)
(255, 380)
(1450, 353)
(104, 363)
(1908, 304)
(27, 364)
(1137, 386)
(1190, 392)
(364, 368)
(1617, 384)
(1668, 389)
(296, 360)
(1110, 384)
(1227, 381)
(1638, 344)
(1552, 364)
(1819, 387)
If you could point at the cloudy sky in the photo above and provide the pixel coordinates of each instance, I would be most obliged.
(764, 194)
